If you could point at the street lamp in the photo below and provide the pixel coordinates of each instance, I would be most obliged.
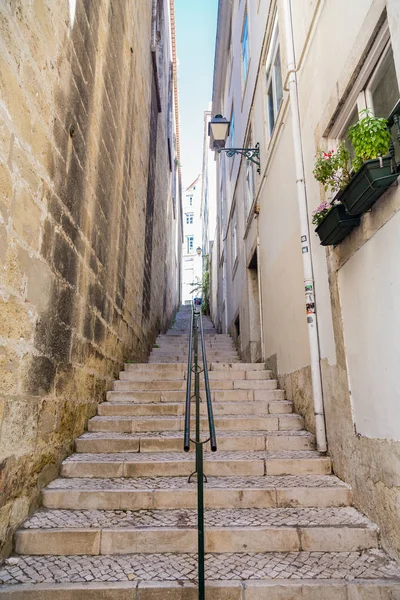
(218, 130)
(198, 250)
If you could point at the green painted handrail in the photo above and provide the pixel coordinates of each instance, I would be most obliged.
(196, 328)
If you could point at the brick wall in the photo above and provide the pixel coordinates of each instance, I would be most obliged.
(88, 269)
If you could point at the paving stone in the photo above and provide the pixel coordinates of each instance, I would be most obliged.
(369, 564)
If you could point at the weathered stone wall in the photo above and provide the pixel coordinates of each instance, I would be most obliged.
(88, 269)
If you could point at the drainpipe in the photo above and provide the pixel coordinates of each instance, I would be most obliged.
(305, 233)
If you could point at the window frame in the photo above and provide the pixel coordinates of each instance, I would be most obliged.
(189, 244)
(357, 98)
(234, 238)
(245, 48)
(249, 178)
(274, 47)
(189, 218)
(232, 127)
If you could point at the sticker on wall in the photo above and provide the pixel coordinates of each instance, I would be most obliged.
(310, 308)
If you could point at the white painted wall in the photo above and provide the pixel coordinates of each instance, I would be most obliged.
(191, 262)
(370, 294)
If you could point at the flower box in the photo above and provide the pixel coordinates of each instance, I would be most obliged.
(336, 225)
(367, 185)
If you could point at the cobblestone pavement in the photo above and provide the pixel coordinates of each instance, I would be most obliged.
(181, 483)
(245, 517)
(185, 457)
(372, 564)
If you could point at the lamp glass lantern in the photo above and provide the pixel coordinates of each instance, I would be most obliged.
(218, 130)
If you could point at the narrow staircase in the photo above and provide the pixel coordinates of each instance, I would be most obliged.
(120, 522)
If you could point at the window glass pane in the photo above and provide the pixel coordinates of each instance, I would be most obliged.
(232, 130)
(278, 79)
(385, 88)
(352, 120)
(271, 51)
(270, 104)
(245, 47)
(249, 185)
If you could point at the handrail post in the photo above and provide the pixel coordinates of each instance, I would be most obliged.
(199, 462)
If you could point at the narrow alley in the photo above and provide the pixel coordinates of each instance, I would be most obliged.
(199, 289)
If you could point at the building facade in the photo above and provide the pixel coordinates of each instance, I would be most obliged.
(90, 220)
(323, 318)
(192, 241)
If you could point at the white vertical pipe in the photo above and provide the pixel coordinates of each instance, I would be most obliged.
(305, 233)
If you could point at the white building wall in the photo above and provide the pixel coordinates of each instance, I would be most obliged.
(357, 283)
(191, 261)
(369, 286)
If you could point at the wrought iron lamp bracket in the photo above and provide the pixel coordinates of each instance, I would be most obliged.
(251, 154)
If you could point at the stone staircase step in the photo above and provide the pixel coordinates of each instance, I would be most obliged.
(175, 492)
(221, 464)
(365, 575)
(63, 532)
(179, 359)
(213, 366)
(275, 422)
(156, 396)
(387, 589)
(237, 393)
(173, 442)
(369, 575)
(178, 376)
(178, 408)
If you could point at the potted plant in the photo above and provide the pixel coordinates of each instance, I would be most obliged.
(375, 169)
(332, 221)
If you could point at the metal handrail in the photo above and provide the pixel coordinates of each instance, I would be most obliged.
(193, 367)
(213, 440)
(186, 444)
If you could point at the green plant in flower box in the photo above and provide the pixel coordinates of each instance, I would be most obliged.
(370, 138)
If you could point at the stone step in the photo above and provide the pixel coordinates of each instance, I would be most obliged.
(63, 532)
(238, 386)
(225, 423)
(178, 408)
(104, 443)
(179, 355)
(213, 366)
(288, 491)
(180, 464)
(144, 379)
(171, 360)
(364, 575)
(176, 396)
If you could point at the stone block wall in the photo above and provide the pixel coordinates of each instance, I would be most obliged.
(88, 225)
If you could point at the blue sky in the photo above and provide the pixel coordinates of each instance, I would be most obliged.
(196, 22)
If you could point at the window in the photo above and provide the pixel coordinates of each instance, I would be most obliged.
(232, 128)
(234, 238)
(189, 243)
(376, 89)
(274, 77)
(245, 47)
(189, 218)
(249, 175)
(382, 91)
(190, 200)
